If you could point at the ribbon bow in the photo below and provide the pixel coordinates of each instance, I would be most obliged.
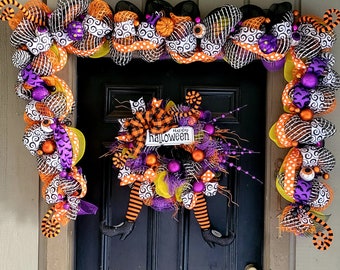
(149, 176)
(66, 192)
(156, 120)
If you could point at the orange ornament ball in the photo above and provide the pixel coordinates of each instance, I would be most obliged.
(197, 155)
(48, 147)
(151, 159)
(316, 169)
(306, 114)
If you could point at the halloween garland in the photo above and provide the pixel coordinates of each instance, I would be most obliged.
(43, 38)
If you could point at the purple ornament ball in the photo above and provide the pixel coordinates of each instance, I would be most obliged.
(309, 80)
(39, 93)
(75, 30)
(209, 128)
(205, 115)
(174, 166)
(198, 187)
(66, 206)
(268, 43)
(63, 174)
(320, 144)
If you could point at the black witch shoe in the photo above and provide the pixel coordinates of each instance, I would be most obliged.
(213, 237)
(123, 229)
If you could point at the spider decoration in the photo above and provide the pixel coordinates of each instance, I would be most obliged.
(173, 156)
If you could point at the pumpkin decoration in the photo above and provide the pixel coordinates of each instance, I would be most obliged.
(165, 27)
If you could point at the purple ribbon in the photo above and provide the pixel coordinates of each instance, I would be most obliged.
(302, 190)
(64, 146)
(86, 208)
(301, 96)
(317, 66)
(30, 77)
(152, 19)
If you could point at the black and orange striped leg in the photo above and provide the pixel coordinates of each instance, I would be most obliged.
(201, 212)
(321, 240)
(211, 236)
(125, 228)
(50, 227)
(135, 203)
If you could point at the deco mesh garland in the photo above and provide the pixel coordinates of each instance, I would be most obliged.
(43, 39)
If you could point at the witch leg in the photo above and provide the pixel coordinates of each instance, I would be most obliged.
(211, 236)
(125, 228)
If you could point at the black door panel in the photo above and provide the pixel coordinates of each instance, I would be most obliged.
(161, 241)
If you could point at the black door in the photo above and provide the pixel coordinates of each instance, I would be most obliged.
(160, 240)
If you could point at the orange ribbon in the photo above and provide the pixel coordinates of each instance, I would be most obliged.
(156, 120)
(207, 176)
(149, 176)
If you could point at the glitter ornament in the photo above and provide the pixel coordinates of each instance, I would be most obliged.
(198, 155)
(75, 30)
(268, 44)
(39, 93)
(48, 147)
(198, 186)
(174, 166)
(306, 114)
(209, 128)
(151, 159)
(309, 80)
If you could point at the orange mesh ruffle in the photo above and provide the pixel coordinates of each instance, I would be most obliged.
(295, 227)
(177, 19)
(29, 121)
(100, 9)
(299, 66)
(135, 46)
(286, 100)
(43, 109)
(254, 22)
(46, 179)
(83, 53)
(123, 16)
(291, 165)
(255, 49)
(197, 56)
(283, 140)
(36, 5)
(58, 58)
(62, 86)
(60, 214)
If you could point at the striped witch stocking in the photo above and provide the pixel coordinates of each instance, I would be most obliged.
(201, 212)
(135, 203)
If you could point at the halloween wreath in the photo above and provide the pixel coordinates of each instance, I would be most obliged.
(279, 37)
(174, 155)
